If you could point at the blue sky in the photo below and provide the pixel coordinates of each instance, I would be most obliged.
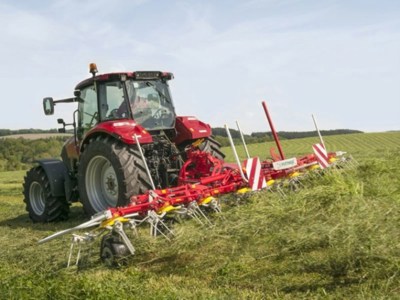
(338, 60)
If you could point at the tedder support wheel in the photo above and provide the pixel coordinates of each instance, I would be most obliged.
(211, 146)
(113, 252)
(109, 173)
(40, 203)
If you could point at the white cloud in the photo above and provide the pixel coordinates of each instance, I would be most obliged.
(301, 58)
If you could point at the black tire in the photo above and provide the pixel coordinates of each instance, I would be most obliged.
(41, 205)
(109, 173)
(113, 252)
(211, 146)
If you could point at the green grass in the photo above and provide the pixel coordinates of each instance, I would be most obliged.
(359, 145)
(337, 238)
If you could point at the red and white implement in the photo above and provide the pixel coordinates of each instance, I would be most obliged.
(254, 173)
(202, 179)
(322, 156)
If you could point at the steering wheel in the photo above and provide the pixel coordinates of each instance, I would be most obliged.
(159, 113)
(113, 114)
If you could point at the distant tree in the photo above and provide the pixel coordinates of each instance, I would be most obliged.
(219, 131)
(19, 154)
(3, 165)
(5, 132)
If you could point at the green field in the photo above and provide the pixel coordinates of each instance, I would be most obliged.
(337, 238)
(359, 145)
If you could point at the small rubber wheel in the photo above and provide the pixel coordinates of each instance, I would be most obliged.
(113, 252)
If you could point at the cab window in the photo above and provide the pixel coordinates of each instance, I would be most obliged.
(88, 111)
(112, 101)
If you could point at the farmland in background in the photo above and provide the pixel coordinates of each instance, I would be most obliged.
(36, 136)
(359, 145)
(337, 238)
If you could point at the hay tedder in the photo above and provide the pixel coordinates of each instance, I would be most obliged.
(132, 161)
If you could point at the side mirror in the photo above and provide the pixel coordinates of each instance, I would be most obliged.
(48, 106)
(61, 121)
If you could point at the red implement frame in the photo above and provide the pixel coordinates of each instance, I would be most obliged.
(202, 176)
(271, 125)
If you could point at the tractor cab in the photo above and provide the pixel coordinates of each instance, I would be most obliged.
(140, 96)
(143, 97)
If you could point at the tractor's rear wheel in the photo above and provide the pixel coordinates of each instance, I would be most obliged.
(109, 173)
(212, 146)
(40, 203)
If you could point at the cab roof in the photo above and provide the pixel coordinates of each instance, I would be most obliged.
(137, 75)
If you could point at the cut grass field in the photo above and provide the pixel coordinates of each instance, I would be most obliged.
(337, 238)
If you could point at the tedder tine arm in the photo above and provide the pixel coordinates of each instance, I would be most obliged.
(96, 220)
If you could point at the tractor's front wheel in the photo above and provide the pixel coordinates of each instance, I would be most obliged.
(109, 173)
(40, 203)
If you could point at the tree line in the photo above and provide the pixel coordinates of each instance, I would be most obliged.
(20, 154)
(260, 137)
(5, 132)
(218, 131)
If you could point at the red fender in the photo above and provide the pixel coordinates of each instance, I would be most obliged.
(124, 130)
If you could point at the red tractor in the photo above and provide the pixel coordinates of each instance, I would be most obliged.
(102, 164)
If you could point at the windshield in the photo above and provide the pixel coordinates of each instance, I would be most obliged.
(151, 104)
